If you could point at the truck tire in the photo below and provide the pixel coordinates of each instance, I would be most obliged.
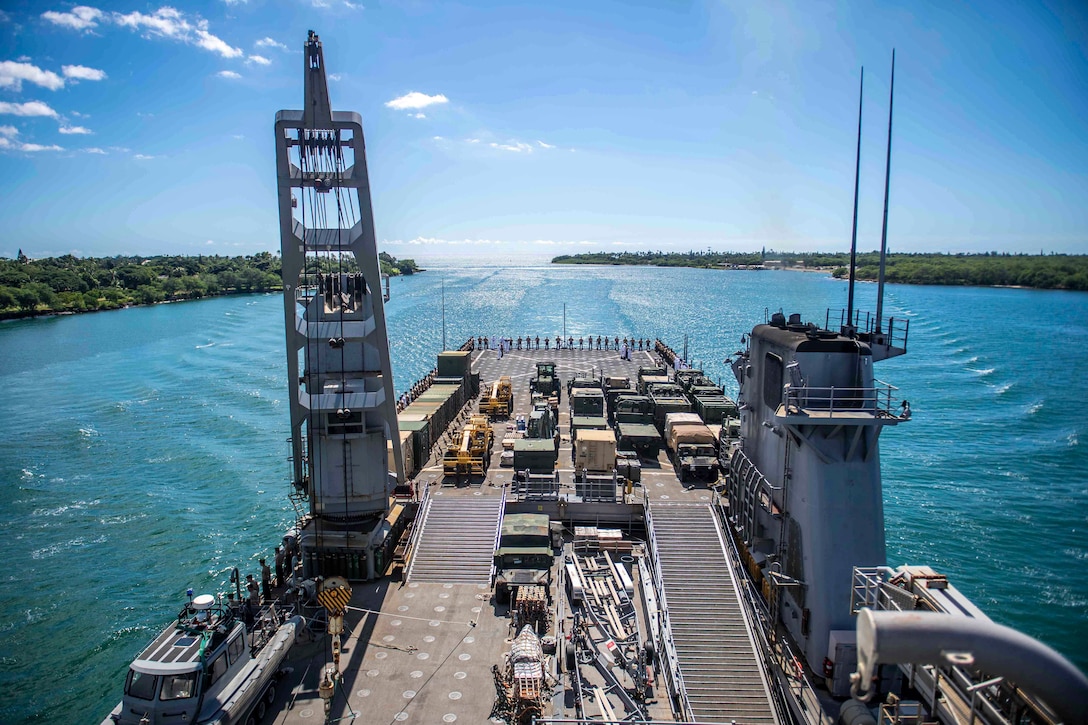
(570, 656)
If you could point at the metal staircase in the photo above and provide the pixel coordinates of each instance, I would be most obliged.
(719, 670)
(456, 543)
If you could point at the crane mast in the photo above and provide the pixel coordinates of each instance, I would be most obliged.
(343, 409)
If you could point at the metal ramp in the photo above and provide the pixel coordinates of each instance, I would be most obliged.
(720, 672)
(457, 539)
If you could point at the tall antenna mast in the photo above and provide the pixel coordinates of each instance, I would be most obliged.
(854, 234)
(887, 183)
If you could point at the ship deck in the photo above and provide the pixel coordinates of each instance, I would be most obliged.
(423, 651)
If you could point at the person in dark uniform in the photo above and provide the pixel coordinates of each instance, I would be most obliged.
(581, 343)
(538, 342)
(598, 342)
(266, 581)
(279, 559)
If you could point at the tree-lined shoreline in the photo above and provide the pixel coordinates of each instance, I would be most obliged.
(69, 284)
(988, 269)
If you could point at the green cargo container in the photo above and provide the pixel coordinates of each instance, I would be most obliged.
(535, 454)
(454, 364)
(587, 422)
(715, 408)
(585, 402)
(421, 441)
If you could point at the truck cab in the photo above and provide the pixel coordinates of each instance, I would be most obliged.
(524, 557)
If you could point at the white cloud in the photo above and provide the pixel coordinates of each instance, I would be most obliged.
(238, 137)
(80, 17)
(419, 115)
(83, 73)
(438, 138)
(207, 41)
(270, 43)
(515, 146)
(77, 114)
(13, 74)
(30, 108)
(259, 60)
(142, 157)
(235, 2)
(8, 132)
(229, 74)
(335, 76)
(4, 17)
(94, 150)
(352, 6)
(34, 147)
(75, 130)
(472, 140)
(415, 100)
(166, 22)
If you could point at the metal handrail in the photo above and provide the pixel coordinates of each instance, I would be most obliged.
(895, 332)
(880, 399)
(498, 535)
(760, 625)
(673, 670)
(417, 532)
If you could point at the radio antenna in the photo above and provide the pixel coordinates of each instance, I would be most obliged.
(854, 234)
(887, 182)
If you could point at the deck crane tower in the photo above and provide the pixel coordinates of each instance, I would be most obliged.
(343, 410)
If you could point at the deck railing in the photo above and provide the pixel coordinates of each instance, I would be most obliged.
(672, 670)
(893, 331)
(882, 400)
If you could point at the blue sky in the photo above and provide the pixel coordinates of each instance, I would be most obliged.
(547, 128)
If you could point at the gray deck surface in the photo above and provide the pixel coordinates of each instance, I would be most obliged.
(423, 651)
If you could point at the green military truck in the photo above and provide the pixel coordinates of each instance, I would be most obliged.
(524, 556)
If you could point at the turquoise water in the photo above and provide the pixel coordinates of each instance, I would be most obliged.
(144, 449)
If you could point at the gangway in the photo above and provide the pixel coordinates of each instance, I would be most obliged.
(715, 664)
(457, 540)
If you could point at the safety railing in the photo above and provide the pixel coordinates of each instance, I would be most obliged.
(498, 534)
(880, 400)
(749, 490)
(417, 529)
(892, 331)
(672, 671)
(775, 655)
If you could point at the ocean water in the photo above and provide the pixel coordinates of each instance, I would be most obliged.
(144, 450)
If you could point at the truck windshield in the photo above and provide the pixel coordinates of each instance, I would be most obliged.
(140, 685)
(178, 687)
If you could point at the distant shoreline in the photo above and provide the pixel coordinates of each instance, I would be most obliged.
(69, 284)
(9, 316)
(1064, 272)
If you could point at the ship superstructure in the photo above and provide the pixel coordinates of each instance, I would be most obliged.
(804, 481)
(343, 410)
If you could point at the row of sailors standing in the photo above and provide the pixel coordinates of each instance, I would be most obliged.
(417, 389)
(506, 344)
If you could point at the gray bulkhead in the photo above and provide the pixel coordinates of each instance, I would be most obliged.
(810, 421)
